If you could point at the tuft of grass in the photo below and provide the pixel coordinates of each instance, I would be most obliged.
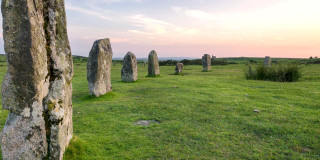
(76, 149)
(106, 97)
(280, 73)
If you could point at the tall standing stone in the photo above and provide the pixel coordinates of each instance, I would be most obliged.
(153, 64)
(206, 62)
(267, 61)
(129, 71)
(179, 67)
(37, 87)
(99, 68)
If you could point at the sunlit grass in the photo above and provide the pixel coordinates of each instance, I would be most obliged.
(202, 115)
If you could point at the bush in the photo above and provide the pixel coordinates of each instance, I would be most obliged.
(168, 63)
(219, 62)
(281, 73)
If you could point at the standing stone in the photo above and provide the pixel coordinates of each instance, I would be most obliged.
(144, 63)
(267, 61)
(179, 67)
(153, 64)
(37, 87)
(206, 62)
(99, 68)
(129, 72)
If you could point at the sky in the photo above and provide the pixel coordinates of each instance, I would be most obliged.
(191, 28)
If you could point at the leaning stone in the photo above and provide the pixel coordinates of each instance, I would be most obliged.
(267, 61)
(129, 71)
(153, 64)
(179, 67)
(99, 68)
(37, 87)
(206, 62)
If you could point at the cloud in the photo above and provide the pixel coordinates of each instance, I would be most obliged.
(201, 15)
(197, 14)
(85, 11)
(150, 26)
(177, 9)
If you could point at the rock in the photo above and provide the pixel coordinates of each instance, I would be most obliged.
(129, 71)
(179, 67)
(267, 61)
(206, 62)
(37, 87)
(153, 64)
(257, 111)
(99, 68)
(145, 123)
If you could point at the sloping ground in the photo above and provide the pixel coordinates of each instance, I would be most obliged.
(202, 115)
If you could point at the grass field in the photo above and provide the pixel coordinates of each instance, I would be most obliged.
(202, 115)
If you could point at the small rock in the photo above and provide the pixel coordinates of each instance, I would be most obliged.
(257, 111)
(145, 122)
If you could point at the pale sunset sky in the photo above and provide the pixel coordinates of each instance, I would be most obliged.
(190, 28)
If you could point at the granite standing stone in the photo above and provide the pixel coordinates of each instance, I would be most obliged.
(153, 64)
(267, 61)
(37, 87)
(206, 62)
(179, 67)
(129, 71)
(99, 68)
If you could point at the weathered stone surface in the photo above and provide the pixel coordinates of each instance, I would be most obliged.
(179, 67)
(129, 71)
(99, 68)
(153, 64)
(206, 62)
(267, 61)
(37, 87)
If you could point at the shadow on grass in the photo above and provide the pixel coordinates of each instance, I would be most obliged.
(179, 74)
(107, 97)
(153, 76)
(137, 81)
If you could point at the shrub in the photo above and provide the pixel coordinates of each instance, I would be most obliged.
(281, 73)
(219, 62)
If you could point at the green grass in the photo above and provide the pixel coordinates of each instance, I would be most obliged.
(202, 115)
